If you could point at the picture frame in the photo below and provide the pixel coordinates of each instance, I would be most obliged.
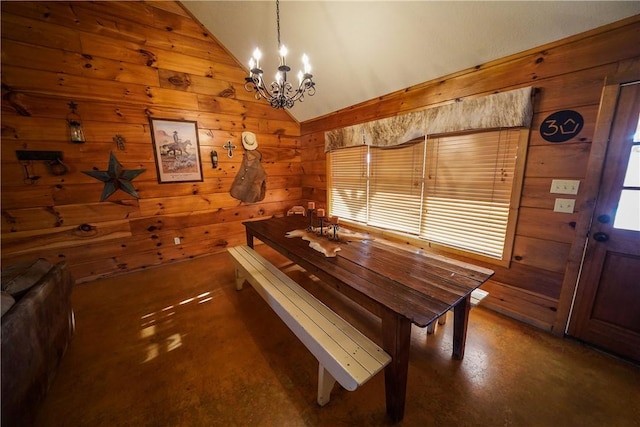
(176, 150)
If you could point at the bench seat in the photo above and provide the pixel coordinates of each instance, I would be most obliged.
(344, 354)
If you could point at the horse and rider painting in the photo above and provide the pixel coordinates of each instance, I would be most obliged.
(176, 149)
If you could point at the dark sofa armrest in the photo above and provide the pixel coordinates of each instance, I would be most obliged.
(35, 334)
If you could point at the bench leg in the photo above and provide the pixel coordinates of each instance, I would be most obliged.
(240, 277)
(442, 320)
(325, 385)
(431, 327)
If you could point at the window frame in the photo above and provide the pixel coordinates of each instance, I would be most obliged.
(514, 207)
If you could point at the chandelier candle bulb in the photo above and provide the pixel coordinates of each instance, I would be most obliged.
(305, 63)
(311, 205)
(257, 55)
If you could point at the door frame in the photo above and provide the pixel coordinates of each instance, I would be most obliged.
(586, 202)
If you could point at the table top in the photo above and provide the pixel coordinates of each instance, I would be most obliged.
(418, 286)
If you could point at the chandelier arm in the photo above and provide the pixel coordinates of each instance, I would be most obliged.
(255, 83)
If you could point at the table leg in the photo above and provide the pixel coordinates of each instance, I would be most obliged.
(396, 340)
(460, 322)
(249, 238)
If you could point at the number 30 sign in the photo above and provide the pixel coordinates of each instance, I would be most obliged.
(561, 126)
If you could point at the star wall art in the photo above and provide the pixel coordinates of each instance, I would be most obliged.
(116, 178)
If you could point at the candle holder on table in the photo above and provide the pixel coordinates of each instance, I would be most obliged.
(333, 223)
(321, 217)
(311, 207)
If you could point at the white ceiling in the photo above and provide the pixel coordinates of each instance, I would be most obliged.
(360, 50)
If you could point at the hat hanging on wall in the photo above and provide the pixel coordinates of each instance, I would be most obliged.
(249, 141)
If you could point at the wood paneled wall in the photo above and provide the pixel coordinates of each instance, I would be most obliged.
(122, 63)
(568, 75)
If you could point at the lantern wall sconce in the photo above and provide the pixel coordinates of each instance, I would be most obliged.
(74, 122)
(214, 159)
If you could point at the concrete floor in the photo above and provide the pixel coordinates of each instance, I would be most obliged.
(179, 346)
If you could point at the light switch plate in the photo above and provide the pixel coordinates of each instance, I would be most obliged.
(564, 186)
(564, 205)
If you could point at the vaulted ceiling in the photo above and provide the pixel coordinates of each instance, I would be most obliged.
(360, 50)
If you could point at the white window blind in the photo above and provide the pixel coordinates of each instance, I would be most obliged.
(453, 190)
(468, 186)
(395, 188)
(349, 177)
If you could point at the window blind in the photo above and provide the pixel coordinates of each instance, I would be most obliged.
(468, 186)
(349, 178)
(395, 188)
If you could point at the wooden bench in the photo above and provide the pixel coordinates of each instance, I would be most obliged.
(476, 297)
(344, 354)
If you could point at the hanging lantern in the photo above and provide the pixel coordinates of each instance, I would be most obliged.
(76, 134)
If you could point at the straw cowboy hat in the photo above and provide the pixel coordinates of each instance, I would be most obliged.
(249, 141)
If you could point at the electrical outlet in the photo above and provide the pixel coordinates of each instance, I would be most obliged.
(176, 240)
(564, 186)
(564, 205)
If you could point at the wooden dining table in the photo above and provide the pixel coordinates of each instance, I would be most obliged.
(401, 287)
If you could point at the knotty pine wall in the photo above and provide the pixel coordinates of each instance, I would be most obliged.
(123, 62)
(569, 75)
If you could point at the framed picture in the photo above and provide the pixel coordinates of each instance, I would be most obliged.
(176, 150)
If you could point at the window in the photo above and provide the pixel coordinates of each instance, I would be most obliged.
(628, 212)
(349, 176)
(458, 191)
(395, 187)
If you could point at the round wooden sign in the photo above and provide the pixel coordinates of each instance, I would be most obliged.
(561, 126)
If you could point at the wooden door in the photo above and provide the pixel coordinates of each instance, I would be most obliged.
(606, 310)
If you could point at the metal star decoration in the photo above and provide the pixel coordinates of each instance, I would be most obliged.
(116, 178)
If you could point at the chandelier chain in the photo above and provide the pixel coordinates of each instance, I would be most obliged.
(278, 20)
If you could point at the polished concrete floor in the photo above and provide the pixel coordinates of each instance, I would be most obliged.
(179, 346)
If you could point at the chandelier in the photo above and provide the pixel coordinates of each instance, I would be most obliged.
(280, 93)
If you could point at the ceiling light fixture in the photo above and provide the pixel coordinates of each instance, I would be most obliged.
(280, 93)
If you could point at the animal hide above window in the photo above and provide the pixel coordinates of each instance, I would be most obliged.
(501, 110)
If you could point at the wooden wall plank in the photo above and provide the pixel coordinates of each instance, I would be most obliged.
(525, 306)
(541, 253)
(34, 241)
(48, 217)
(581, 88)
(546, 224)
(21, 197)
(41, 58)
(27, 30)
(557, 161)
